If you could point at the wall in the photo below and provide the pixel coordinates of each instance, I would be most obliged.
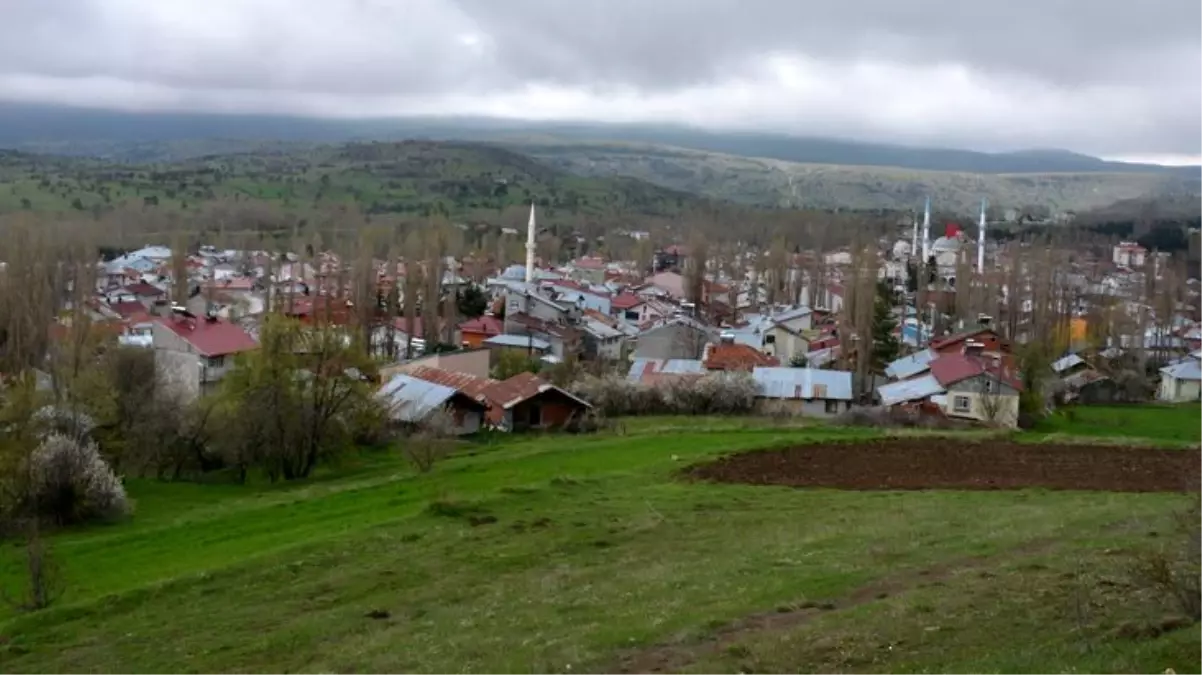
(1172, 389)
(554, 411)
(801, 407)
(997, 408)
(786, 345)
(470, 362)
(467, 421)
(672, 341)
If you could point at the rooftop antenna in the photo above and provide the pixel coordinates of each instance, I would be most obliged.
(981, 240)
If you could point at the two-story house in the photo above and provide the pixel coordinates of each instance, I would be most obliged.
(193, 353)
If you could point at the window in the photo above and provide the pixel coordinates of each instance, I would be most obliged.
(989, 386)
(832, 407)
(961, 404)
(215, 361)
(534, 415)
(769, 339)
(632, 315)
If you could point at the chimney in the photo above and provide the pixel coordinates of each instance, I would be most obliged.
(727, 338)
(973, 348)
(984, 320)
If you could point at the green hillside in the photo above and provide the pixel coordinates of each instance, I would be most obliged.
(410, 178)
(590, 554)
(771, 182)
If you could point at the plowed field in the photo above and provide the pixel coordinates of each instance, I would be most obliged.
(949, 463)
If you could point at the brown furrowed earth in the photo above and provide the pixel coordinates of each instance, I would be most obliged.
(950, 463)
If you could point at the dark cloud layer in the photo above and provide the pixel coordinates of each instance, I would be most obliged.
(1103, 76)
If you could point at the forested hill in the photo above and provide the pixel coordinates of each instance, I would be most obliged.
(411, 178)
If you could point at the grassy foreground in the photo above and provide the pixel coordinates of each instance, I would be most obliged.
(558, 554)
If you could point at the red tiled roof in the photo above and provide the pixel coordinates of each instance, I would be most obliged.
(469, 384)
(141, 288)
(485, 325)
(625, 301)
(736, 357)
(947, 340)
(499, 395)
(211, 338)
(590, 263)
(952, 368)
(127, 308)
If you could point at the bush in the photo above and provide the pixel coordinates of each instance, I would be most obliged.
(895, 418)
(431, 441)
(70, 483)
(1174, 572)
(713, 394)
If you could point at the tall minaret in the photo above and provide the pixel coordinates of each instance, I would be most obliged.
(981, 240)
(914, 235)
(926, 232)
(530, 246)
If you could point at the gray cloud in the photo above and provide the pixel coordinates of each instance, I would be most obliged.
(1103, 76)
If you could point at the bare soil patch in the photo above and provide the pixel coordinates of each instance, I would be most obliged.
(949, 463)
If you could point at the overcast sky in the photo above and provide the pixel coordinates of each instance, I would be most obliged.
(1117, 78)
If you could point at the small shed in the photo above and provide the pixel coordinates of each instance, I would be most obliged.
(410, 400)
(526, 401)
(805, 391)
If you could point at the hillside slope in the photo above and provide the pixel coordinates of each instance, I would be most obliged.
(413, 177)
(763, 181)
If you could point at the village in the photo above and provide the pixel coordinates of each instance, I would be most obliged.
(512, 360)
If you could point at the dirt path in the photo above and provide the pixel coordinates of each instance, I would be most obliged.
(674, 656)
(951, 463)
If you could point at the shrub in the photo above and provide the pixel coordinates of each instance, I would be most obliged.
(1174, 572)
(430, 441)
(895, 418)
(713, 394)
(70, 483)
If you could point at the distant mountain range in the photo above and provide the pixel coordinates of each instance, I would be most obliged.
(753, 168)
(80, 131)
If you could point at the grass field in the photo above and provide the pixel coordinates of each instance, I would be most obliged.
(574, 554)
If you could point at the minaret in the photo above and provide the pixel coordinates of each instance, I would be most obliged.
(530, 246)
(981, 241)
(914, 235)
(926, 233)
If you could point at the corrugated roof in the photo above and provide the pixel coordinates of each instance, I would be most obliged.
(410, 399)
(790, 314)
(1189, 369)
(471, 385)
(641, 368)
(1065, 362)
(909, 390)
(952, 368)
(909, 366)
(803, 383)
(523, 341)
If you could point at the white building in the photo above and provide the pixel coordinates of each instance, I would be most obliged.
(1129, 254)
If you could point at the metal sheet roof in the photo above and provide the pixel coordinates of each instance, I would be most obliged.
(1189, 369)
(1065, 362)
(645, 366)
(911, 365)
(803, 383)
(507, 340)
(909, 390)
(410, 399)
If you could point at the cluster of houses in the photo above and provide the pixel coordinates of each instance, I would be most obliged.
(647, 323)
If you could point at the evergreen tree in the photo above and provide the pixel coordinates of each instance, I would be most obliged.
(885, 345)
